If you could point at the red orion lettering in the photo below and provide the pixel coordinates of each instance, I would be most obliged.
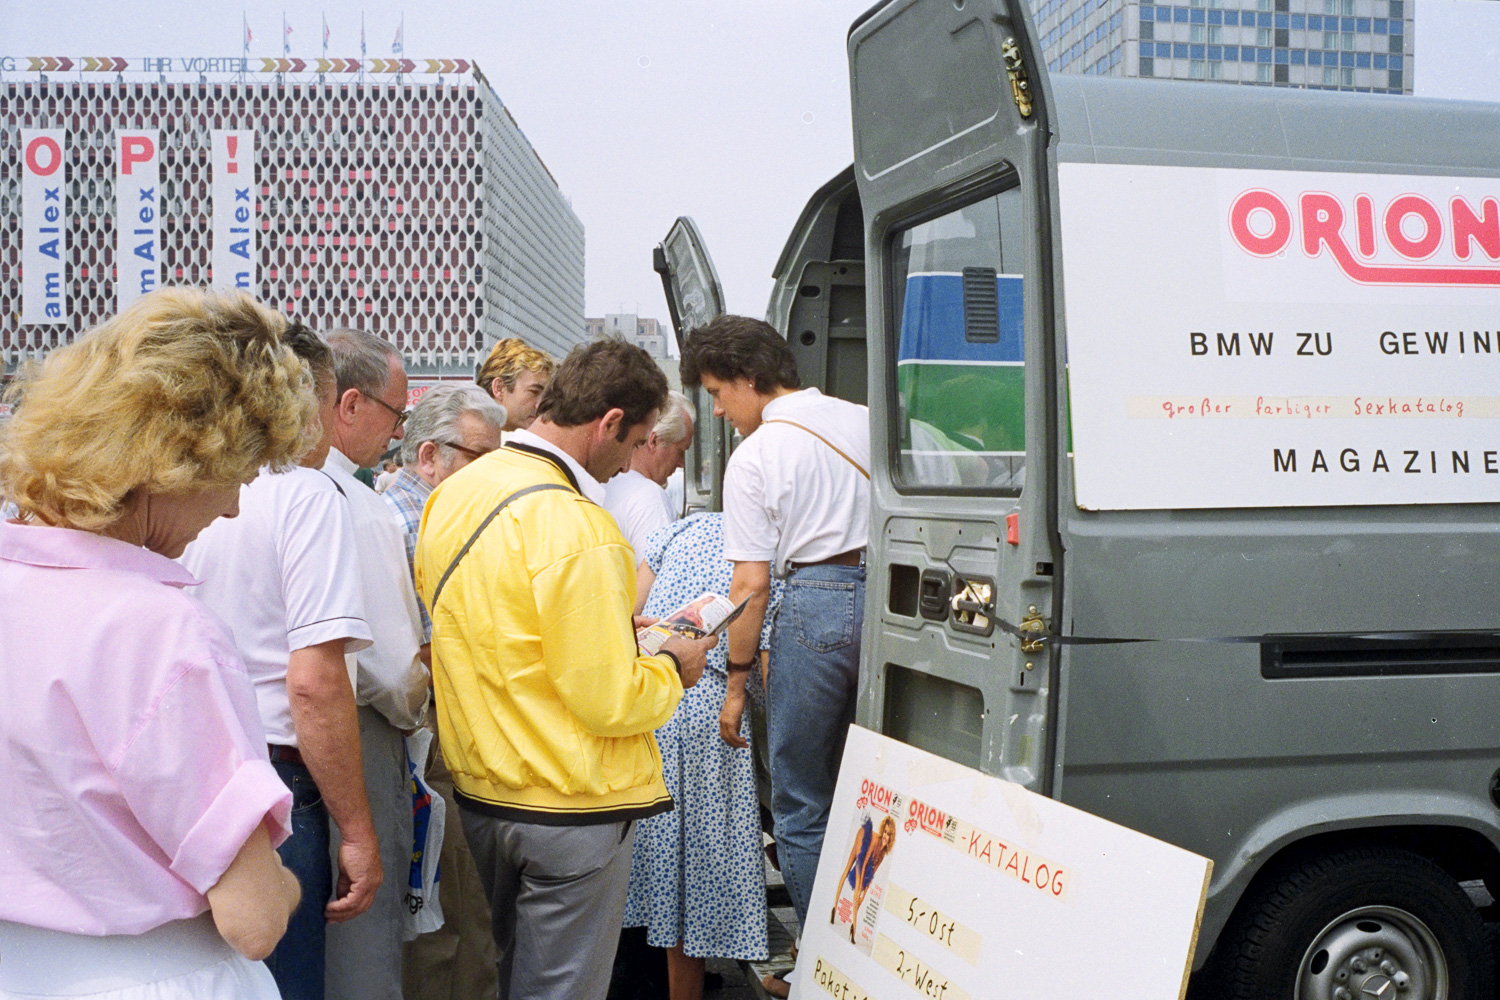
(931, 819)
(878, 795)
(1262, 225)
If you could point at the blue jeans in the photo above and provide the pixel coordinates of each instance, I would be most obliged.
(297, 962)
(810, 704)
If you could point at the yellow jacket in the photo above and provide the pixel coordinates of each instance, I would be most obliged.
(545, 709)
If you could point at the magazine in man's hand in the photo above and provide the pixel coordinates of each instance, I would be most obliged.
(705, 615)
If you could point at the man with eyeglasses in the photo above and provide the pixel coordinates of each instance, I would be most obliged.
(391, 681)
(451, 427)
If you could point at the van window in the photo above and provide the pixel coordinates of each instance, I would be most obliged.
(701, 476)
(960, 369)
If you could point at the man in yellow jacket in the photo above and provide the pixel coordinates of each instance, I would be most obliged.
(546, 710)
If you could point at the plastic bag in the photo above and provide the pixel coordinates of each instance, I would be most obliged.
(428, 817)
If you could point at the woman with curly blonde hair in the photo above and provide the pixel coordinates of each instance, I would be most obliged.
(137, 833)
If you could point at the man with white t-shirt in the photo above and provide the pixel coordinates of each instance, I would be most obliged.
(637, 497)
(796, 501)
(283, 576)
(391, 682)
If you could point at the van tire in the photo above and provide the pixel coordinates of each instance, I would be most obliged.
(1359, 905)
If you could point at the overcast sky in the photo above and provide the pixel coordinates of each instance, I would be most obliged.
(730, 112)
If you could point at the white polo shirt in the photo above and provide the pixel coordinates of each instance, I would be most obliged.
(390, 676)
(283, 576)
(789, 497)
(639, 507)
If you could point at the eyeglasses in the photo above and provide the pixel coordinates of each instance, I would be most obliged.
(401, 415)
(472, 453)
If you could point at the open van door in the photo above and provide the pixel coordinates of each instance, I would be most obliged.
(951, 137)
(695, 297)
(818, 301)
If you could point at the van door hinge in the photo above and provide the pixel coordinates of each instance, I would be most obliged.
(1033, 625)
(1020, 84)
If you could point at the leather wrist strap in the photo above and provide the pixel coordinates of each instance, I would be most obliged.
(673, 657)
(738, 668)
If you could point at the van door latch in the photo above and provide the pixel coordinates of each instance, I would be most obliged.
(1034, 626)
(1015, 68)
(973, 604)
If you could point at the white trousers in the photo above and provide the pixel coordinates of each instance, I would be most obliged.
(181, 960)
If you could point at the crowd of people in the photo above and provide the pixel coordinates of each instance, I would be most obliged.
(218, 644)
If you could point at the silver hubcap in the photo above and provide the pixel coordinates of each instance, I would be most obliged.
(1374, 953)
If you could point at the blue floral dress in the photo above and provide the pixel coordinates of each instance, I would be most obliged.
(696, 875)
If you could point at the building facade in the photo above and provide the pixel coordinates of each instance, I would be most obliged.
(1356, 45)
(646, 333)
(409, 206)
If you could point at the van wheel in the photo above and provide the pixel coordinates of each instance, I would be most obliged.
(1355, 924)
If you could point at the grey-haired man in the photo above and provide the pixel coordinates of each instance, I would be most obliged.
(637, 497)
(391, 689)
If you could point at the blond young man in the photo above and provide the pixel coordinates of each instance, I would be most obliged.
(515, 374)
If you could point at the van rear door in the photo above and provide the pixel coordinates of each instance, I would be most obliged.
(818, 302)
(951, 134)
(694, 297)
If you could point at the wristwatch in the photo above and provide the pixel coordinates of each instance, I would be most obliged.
(735, 668)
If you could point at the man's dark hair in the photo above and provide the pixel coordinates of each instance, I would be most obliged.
(600, 376)
(310, 348)
(734, 347)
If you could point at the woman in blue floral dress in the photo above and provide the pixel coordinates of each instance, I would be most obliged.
(696, 879)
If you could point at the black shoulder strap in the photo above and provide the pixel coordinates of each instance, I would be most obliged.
(438, 591)
(336, 485)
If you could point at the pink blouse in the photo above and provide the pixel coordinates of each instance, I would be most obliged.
(134, 761)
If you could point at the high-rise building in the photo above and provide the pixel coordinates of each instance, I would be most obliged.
(1357, 45)
(411, 206)
(645, 333)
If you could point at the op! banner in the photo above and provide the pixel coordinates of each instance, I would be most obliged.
(235, 217)
(44, 226)
(137, 215)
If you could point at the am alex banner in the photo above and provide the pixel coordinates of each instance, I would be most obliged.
(44, 226)
(236, 218)
(137, 214)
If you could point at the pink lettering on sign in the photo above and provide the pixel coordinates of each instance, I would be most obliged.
(36, 149)
(1414, 229)
(135, 149)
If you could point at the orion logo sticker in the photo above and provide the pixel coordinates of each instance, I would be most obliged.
(1411, 239)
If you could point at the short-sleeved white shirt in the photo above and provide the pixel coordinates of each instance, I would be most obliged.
(283, 575)
(389, 675)
(639, 507)
(789, 497)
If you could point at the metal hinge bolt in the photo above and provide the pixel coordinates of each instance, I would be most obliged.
(1020, 83)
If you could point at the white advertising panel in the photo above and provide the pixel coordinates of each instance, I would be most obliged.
(137, 214)
(235, 216)
(44, 226)
(1258, 338)
(938, 879)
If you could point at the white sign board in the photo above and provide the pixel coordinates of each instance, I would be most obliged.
(1256, 338)
(44, 226)
(235, 217)
(938, 881)
(137, 215)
